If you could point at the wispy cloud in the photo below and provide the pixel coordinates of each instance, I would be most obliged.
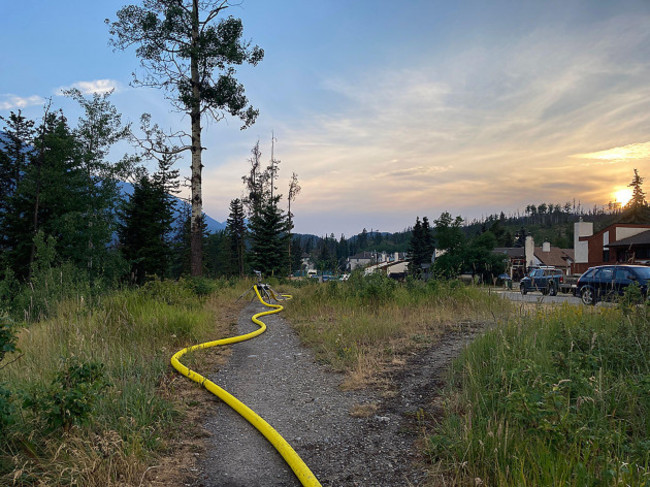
(12, 102)
(89, 87)
(494, 124)
(625, 153)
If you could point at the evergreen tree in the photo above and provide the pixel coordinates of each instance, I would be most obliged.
(269, 234)
(47, 198)
(181, 46)
(636, 210)
(144, 232)
(236, 233)
(638, 196)
(415, 248)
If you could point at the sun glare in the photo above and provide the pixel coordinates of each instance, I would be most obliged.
(623, 196)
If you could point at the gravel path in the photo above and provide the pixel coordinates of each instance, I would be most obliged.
(278, 378)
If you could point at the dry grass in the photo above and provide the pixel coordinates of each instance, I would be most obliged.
(364, 410)
(363, 335)
(146, 430)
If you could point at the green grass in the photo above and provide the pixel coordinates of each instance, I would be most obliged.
(133, 333)
(560, 397)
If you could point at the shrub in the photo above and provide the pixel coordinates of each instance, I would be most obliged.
(201, 286)
(71, 395)
(7, 337)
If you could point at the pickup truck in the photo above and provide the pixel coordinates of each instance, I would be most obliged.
(548, 280)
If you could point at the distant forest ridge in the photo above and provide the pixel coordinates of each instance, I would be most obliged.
(545, 222)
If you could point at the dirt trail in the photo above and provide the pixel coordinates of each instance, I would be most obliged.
(278, 378)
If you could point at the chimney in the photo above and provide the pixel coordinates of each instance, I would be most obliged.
(546, 247)
(529, 249)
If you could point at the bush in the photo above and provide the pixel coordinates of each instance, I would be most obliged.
(201, 286)
(71, 395)
(6, 411)
(7, 337)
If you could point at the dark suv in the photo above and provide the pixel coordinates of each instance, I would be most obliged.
(545, 279)
(608, 281)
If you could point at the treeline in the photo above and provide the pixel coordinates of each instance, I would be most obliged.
(67, 228)
(455, 253)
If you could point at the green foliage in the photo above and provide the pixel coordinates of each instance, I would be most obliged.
(7, 337)
(124, 338)
(562, 398)
(71, 396)
(200, 286)
(631, 297)
(421, 246)
(145, 229)
(269, 239)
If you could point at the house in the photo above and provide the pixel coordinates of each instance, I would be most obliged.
(361, 259)
(395, 269)
(554, 257)
(620, 242)
(521, 259)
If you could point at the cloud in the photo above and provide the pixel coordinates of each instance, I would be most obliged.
(617, 154)
(11, 102)
(99, 86)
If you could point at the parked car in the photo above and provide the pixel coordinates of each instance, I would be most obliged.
(609, 281)
(548, 280)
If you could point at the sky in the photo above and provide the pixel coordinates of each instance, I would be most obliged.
(385, 110)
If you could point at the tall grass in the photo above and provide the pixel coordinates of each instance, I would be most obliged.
(559, 397)
(133, 334)
(357, 325)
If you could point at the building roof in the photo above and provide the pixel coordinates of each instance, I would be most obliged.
(642, 238)
(512, 252)
(364, 255)
(555, 257)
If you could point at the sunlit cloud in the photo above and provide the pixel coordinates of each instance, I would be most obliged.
(624, 153)
(99, 86)
(12, 102)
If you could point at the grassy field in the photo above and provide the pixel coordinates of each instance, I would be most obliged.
(90, 398)
(546, 396)
(559, 397)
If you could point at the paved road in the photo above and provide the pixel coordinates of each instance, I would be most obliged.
(536, 297)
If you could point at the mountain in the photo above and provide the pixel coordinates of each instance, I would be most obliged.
(181, 209)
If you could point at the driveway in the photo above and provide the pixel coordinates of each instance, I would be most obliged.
(536, 297)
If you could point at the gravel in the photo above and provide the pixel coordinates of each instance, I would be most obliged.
(279, 379)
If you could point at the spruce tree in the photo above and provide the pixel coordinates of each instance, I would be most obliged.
(269, 235)
(236, 233)
(145, 228)
(421, 245)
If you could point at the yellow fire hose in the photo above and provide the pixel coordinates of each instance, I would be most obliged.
(306, 477)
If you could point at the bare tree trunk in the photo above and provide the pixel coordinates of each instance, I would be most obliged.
(196, 232)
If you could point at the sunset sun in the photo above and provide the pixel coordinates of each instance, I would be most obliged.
(623, 196)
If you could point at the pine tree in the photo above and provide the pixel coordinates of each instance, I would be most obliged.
(236, 233)
(181, 46)
(636, 210)
(48, 197)
(269, 235)
(416, 247)
(145, 229)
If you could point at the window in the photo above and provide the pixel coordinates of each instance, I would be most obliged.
(623, 275)
(606, 274)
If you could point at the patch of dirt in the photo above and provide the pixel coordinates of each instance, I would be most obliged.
(347, 438)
